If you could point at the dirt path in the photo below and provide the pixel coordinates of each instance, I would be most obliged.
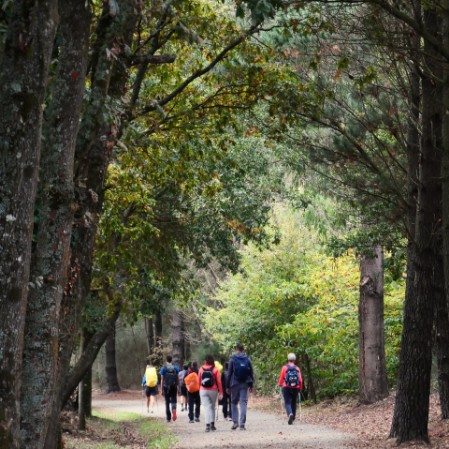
(264, 430)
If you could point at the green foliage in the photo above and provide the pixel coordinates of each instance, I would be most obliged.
(294, 297)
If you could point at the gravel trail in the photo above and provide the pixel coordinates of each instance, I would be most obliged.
(264, 430)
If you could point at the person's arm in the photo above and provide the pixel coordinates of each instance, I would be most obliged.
(251, 375)
(230, 373)
(300, 378)
(282, 376)
(219, 384)
(144, 380)
(162, 380)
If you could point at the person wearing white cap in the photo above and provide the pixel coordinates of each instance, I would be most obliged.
(290, 381)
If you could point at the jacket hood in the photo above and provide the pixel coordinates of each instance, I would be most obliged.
(241, 355)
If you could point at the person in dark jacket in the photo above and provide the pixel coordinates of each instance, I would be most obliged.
(226, 401)
(241, 380)
(290, 380)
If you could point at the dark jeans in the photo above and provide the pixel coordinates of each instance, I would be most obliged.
(226, 401)
(290, 399)
(170, 394)
(194, 400)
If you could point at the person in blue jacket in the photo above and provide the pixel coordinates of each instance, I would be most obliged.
(240, 383)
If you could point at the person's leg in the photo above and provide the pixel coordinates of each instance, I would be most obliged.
(213, 397)
(147, 394)
(167, 403)
(191, 402)
(206, 402)
(294, 394)
(152, 401)
(287, 400)
(243, 398)
(225, 405)
(173, 400)
(197, 406)
(234, 405)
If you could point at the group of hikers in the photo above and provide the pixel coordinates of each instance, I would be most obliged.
(202, 386)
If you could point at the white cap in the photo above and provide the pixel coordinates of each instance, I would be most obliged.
(291, 357)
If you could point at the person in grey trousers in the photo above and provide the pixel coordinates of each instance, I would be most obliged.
(240, 383)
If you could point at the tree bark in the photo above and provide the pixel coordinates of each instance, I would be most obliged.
(177, 338)
(411, 413)
(51, 256)
(111, 365)
(373, 384)
(25, 60)
(444, 370)
(149, 334)
(85, 387)
(96, 139)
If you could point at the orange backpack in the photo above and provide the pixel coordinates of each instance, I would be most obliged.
(192, 382)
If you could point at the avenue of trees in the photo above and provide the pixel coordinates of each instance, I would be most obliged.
(144, 143)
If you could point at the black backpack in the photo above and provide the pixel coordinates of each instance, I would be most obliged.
(292, 376)
(171, 377)
(207, 378)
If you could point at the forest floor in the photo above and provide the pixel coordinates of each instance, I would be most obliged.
(338, 424)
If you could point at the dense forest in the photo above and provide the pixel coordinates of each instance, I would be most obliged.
(269, 172)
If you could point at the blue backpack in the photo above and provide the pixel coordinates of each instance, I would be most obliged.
(292, 376)
(242, 368)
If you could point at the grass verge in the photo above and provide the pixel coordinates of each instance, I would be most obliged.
(109, 429)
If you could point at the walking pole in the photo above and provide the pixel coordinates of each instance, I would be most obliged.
(299, 400)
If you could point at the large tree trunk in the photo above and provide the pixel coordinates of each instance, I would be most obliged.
(148, 322)
(51, 257)
(96, 139)
(177, 338)
(25, 59)
(442, 338)
(112, 383)
(373, 384)
(411, 411)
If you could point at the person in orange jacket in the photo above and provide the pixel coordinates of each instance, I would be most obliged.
(210, 388)
(193, 393)
(290, 380)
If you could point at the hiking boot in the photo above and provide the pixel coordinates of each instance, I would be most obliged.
(234, 426)
(197, 419)
(191, 421)
(291, 418)
(212, 427)
(174, 415)
(242, 428)
(207, 427)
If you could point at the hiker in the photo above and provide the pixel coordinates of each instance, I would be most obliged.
(241, 379)
(226, 401)
(193, 393)
(183, 391)
(210, 388)
(170, 385)
(290, 381)
(149, 383)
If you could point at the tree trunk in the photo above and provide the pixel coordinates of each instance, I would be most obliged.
(177, 338)
(373, 384)
(411, 411)
(149, 332)
(96, 139)
(111, 365)
(51, 257)
(310, 384)
(73, 377)
(25, 59)
(85, 388)
(441, 326)
(442, 338)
